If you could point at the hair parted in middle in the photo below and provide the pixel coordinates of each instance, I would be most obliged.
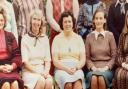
(37, 12)
(105, 16)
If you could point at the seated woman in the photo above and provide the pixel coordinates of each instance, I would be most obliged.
(36, 54)
(10, 58)
(121, 74)
(68, 52)
(100, 53)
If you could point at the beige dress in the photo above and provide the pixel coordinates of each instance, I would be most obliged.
(68, 51)
(36, 56)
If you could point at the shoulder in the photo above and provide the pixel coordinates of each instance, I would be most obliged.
(9, 34)
(8, 3)
(109, 33)
(9, 37)
(25, 37)
(44, 37)
(90, 35)
(76, 36)
(113, 5)
(58, 37)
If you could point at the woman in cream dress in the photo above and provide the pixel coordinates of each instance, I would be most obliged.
(36, 55)
(68, 53)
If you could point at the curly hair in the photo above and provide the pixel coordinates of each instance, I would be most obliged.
(66, 14)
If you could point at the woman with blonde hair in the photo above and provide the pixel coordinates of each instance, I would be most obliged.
(36, 54)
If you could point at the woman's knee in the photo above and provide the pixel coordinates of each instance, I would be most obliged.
(41, 80)
(94, 80)
(6, 85)
(14, 85)
(101, 80)
(68, 86)
(49, 81)
(77, 84)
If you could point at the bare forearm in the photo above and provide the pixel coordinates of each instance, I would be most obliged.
(29, 67)
(60, 66)
(47, 66)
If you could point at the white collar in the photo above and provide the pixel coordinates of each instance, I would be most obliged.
(118, 2)
(97, 33)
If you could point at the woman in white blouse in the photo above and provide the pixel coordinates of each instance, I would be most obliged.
(36, 55)
(68, 53)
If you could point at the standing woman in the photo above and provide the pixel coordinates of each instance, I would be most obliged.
(10, 58)
(101, 53)
(68, 52)
(121, 74)
(36, 54)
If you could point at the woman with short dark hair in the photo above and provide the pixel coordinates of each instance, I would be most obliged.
(68, 52)
(36, 54)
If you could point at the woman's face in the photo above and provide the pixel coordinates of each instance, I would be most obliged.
(67, 23)
(36, 24)
(99, 20)
(2, 22)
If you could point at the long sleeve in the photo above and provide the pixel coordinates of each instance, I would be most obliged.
(20, 18)
(120, 55)
(41, 6)
(75, 8)
(16, 56)
(82, 17)
(111, 20)
(88, 54)
(13, 23)
(49, 16)
(113, 52)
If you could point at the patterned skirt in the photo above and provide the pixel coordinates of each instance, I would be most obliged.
(120, 79)
(62, 77)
